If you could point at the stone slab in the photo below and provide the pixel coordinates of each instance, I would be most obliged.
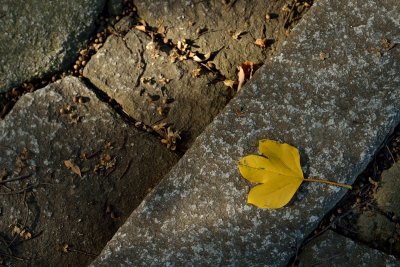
(334, 250)
(375, 225)
(336, 109)
(40, 37)
(119, 165)
(140, 76)
(211, 25)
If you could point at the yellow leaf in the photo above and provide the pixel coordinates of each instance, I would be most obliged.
(287, 155)
(278, 170)
(273, 194)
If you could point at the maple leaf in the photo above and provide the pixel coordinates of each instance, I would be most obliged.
(278, 172)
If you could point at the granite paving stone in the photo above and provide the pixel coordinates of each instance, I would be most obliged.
(40, 37)
(378, 224)
(80, 170)
(334, 250)
(333, 92)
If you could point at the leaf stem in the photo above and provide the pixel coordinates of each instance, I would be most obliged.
(327, 182)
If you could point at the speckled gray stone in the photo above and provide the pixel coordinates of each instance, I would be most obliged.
(337, 111)
(140, 76)
(38, 37)
(115, 7)
(64, 207)
(334, 250)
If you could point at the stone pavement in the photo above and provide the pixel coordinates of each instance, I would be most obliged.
(152, 89)
(38, 38)
(65, 205)
(72, 170)
(78, 155)
(334, 250)
(333, 92)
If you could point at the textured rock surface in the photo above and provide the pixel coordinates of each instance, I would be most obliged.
(210, 25)
(334, 250)
(115, 7)
(85, 211)
(38, 37)
(376, 225)
(139, 75)
(337, 111)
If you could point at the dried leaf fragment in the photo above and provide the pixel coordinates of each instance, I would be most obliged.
(261, 42)
(241, 78)
(323, 56)
(170, 138)
(163, 80)
(65, 248)
(106, 162)
(19, 230)
(285, 8)
(196, 72)
(162, 30)
(73, 167)
(142, 26)
(97, 46)
(246, 70)
(237, 35)
(229, 83)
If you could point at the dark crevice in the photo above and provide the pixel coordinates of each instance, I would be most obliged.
(342, 218)
(114, 105)
(103, 29)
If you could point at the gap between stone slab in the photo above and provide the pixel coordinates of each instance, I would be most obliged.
(328, 222)
(9, 99)
(36, 84)
(114, 105)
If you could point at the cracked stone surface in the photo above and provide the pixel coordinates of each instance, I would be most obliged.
(332, 249)
(39, 37)
(140, 76)
(337, 110)
(211, 24)
(118, 165)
